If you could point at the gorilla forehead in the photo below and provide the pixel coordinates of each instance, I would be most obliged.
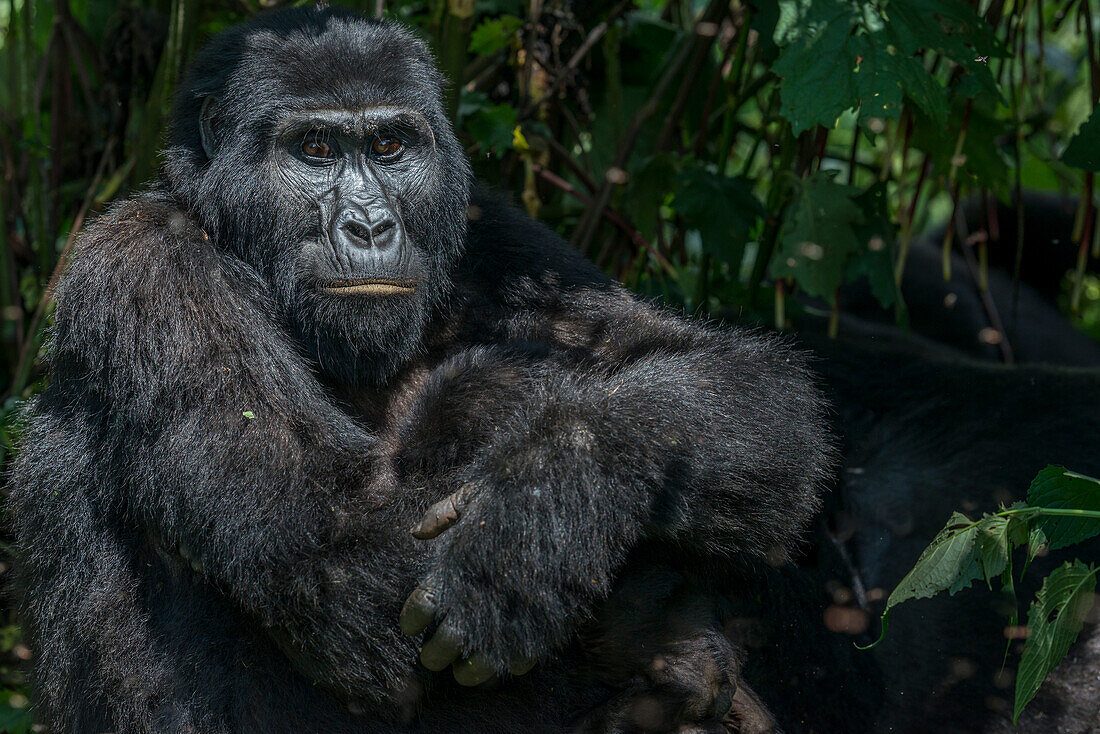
(309, 58)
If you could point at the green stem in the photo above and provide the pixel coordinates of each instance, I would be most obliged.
(1051, 511)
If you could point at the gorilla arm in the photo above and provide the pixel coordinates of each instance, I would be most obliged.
(220, 444)
(637, 425)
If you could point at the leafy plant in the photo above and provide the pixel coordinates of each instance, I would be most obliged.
(1062, 508)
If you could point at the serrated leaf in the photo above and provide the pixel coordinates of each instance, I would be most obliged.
(878, 86)
(949, 563)
(978, 81)
(1083, 150)
(922, 88)
(819, 235)
(1057, 488)
(1054, 621)
(720, 208)
(948, 26)
(993, 545)
(816, 71)
(492, 35)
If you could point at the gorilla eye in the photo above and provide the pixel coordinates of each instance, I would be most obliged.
(317, 148)
(386, 147)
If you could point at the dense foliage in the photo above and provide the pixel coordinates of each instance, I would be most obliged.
(722, 154)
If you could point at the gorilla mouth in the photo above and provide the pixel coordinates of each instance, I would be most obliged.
(369, 287)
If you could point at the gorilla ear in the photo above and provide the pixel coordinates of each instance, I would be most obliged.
(207, 126)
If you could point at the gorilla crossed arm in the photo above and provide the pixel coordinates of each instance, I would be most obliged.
(294, 349)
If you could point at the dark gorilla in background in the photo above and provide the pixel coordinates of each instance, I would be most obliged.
(954, 312)
(313, 334)
(924, 432)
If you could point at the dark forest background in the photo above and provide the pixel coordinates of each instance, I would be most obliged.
(737, 158)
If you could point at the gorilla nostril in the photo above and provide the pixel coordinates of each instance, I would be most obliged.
(358, 231)
(383, 226)
(368, 235)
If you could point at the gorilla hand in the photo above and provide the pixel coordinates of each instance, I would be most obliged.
(533, 538)
(659, 641)
(445, 646)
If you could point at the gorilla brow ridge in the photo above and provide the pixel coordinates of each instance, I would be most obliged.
(423, 124)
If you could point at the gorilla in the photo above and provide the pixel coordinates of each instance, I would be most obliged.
(313, 333)
(954, 313)
(923, 432)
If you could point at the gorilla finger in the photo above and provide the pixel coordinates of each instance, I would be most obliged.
(473, 670)
(418, 612)
(723, 701)
(521, 666)
(752, 716)
(441, 650)
(444, 514)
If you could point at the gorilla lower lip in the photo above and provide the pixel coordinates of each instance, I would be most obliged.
(369, 287)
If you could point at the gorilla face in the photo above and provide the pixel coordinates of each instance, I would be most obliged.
(333, 171)
(362, 164)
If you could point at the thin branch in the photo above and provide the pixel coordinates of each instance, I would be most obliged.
(608, 214)
(571, 163)
(575, 60)
(994, 316)
(703, 43)
(589, 224)
(26, 354)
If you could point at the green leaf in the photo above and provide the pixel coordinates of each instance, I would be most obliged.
(978, 81)
(492, 35)
(960, 553)
(994, 546)
(248, 414)
(1055, 619)
(1083, 150)
(875, 258)
(948, 26)
(819, 235)
(921, 87)
(950, 563)
(878, 86)
(816, 73)
(651, 182)
(720, 208)
(1055, 487)
(493, 126)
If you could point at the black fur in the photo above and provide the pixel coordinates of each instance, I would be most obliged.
(213, 500)
(923, 435)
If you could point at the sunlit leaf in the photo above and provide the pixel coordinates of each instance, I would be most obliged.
(494, 34)
(951, 562)
(1055, 487)
(1054, 621)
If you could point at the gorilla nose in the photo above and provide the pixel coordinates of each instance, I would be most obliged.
(378, 234)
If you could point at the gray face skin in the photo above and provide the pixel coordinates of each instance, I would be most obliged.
(355, 167)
